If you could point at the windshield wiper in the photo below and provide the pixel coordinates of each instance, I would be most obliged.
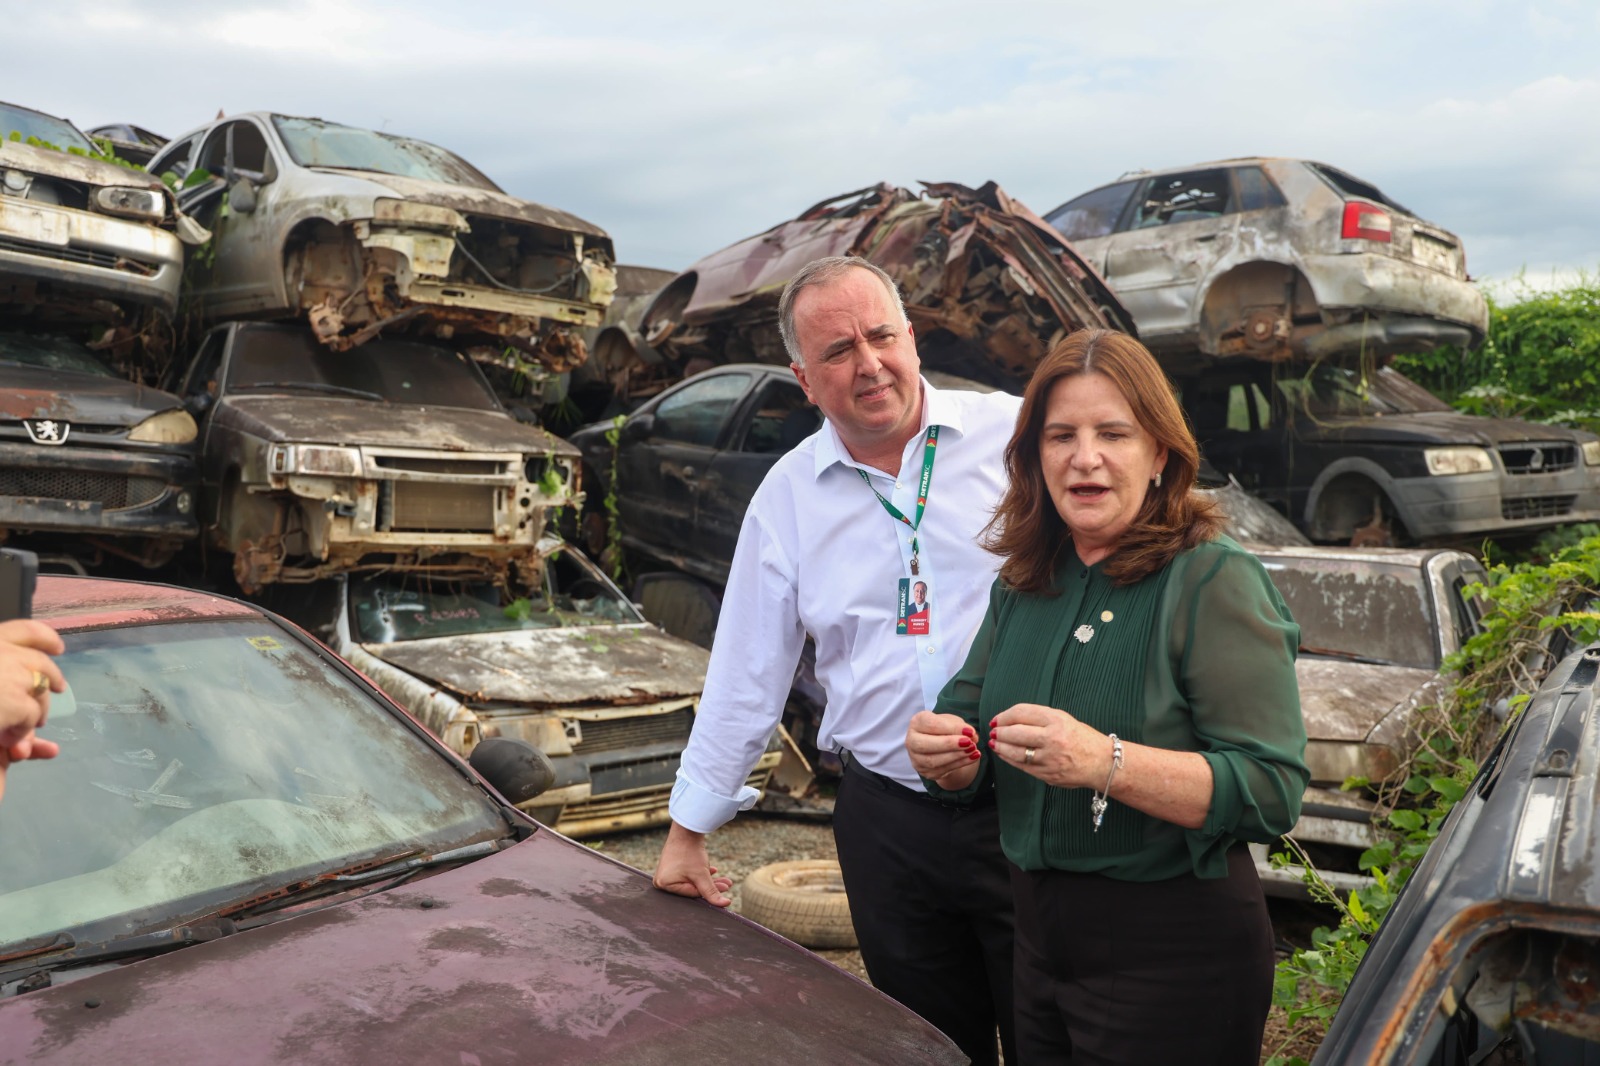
(314, 386)
(142, 944)
(1348, 656)
(351, 876)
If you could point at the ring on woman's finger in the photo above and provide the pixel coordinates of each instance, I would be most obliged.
(40, 683)
(1027, 755)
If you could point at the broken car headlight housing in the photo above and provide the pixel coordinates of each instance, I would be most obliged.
(1591, 453)
(127, 202)
(314, 460)
(169, 427)
(1460, 460)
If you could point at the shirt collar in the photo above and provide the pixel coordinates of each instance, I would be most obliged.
(939, 408)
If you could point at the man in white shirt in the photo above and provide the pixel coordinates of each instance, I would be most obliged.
(833, 541)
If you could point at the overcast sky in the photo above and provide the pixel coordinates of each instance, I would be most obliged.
(683, 126)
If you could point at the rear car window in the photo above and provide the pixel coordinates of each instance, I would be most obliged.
(1350, 185)
(1094, 214)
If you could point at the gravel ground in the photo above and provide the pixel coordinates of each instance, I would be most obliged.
(744, 844)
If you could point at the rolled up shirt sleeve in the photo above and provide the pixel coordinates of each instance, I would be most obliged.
(1236, 644)
(753, 659)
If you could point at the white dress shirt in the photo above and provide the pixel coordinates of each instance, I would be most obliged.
(819, 555)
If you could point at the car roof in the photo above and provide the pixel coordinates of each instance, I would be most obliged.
(71, 603)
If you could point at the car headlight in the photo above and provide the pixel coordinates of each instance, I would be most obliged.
(128, 202)
(316, 460)
(169, 427)
(1591, 452)
(1462, 460)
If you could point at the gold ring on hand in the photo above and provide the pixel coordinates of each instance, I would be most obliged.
(1027, 755)
(40, 684)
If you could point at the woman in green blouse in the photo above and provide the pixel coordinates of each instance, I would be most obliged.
(1133, 685)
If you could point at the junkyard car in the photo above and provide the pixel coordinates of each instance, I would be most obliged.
(395, 455)
(359, 230)
(573, 669)
(1375, 457)
(132, 144)
(1273, 258)
(1490, 954)
(81, 237)
(86, 454)
(245, 853)
(987, 284)
(1375, 626)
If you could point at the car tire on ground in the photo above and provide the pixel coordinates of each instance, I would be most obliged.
(803, 900)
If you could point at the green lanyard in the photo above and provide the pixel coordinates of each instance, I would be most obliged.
(922, 493)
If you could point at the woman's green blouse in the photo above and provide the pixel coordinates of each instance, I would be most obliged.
(1198, 656)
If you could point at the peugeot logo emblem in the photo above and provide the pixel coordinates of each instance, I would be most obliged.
(46, 430)
(1536, 460)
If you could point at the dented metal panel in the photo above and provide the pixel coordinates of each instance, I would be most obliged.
(580, 666)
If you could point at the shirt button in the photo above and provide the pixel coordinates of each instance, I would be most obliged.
(931, 649)
(1084, 574)
(898, 485)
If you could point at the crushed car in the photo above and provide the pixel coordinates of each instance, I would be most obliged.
(1375, 628)
(270, 861)
(1274, 259)
(573, 668)
(395, 456)
(129, 143)
(1371, 457)
(89, 461)
(1490, 953)
(988, 286)
(83, 241)
(360, 232)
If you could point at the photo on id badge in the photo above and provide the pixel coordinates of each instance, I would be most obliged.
(912, 616)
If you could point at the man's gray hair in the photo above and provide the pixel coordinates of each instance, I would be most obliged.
(822, 272)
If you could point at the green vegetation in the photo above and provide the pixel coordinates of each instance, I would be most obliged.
(1540, 361)
(1498, 671)
(102, 155)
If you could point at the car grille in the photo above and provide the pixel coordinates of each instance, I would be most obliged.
(435, 507)
(102, 260)
(617, 734)
(111, 491)
(1539, 458)
(1536, 506)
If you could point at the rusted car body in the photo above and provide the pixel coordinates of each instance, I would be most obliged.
(361, 231)
(86, 454)
(1490, 954)
(1374, 458)
(270, 862)
(82, 239)
(573, 669)
(987, 284)
(1375, 626)
(395, 456)
(1272, 259)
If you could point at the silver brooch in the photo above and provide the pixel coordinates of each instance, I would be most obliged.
(1083, 633)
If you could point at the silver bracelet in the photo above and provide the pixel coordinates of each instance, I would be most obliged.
(1102, 799)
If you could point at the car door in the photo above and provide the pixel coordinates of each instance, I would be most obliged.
(1089, 221)
(241, 272)
(776, 417)
(665, 454)
(1176, 228)
(201, 393)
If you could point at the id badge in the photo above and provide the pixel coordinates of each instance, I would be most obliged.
(914, 613)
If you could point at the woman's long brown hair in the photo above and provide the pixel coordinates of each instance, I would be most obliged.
(1027, 531)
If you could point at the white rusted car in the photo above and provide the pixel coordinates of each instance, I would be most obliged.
(573, 669)
(1274, 258)
(80, 236)
(393, 456)
(361, 231)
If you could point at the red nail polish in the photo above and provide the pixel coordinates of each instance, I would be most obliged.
(969, 731)
(976, 755)
(965, 742)
(991, 743)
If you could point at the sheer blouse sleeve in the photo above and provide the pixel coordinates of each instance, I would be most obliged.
(961, 694)
(1234, 645)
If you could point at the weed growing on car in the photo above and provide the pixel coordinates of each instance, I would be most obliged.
(1525, 606)
(613, 524)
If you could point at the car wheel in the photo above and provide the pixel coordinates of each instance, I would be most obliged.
(803, 900)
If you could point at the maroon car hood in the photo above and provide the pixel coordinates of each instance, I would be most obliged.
(544, 953)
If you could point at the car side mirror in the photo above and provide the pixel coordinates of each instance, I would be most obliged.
(639, 427)
(517, 770)
(242, 196)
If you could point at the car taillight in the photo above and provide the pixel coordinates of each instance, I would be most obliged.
(1366, 222)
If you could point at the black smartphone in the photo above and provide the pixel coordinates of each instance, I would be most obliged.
(19, 570)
